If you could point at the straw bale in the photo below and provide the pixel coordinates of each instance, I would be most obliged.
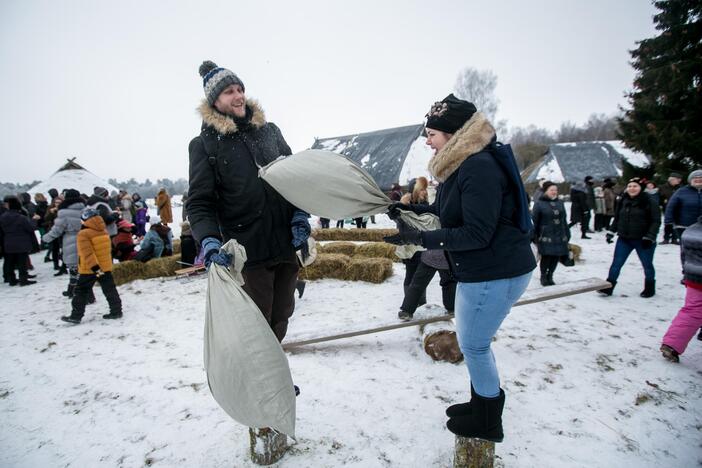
(377, 250)
(364, 235)
(163, 266)
(372, 270)
(124, 272)
(176, 246)
(340, 247)
(327, 265)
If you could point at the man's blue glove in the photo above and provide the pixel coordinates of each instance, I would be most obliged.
(301, 231)
(211, 246)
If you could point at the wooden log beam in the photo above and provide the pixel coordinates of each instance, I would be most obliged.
(266, 445)
(529, 297)
(473, 453)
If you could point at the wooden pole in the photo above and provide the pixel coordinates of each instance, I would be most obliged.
(529, 297)
(473, 453)
(266, 445)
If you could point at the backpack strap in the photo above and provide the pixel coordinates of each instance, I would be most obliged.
(211, 153)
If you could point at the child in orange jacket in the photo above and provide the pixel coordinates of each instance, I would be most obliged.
(94, 264)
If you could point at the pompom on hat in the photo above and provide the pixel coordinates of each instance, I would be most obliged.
(450, 114)
(215, 79)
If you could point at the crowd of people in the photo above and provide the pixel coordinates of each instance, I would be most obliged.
(83, 235)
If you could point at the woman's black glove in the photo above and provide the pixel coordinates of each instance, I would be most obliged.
(407, 235)
(646, 243)
(394, 210)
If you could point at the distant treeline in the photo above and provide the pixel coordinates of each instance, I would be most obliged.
(146, 189)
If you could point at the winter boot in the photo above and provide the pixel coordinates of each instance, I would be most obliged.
(649, 288)
(608, 291)
(71, 319)
(69, 291)
(670, 354)
(484, 421)
(61, 271)
(549, 279)
(91, 298)
(461, 409)
(297, 390)
(113, 315)
(27, 282)
(404, 316)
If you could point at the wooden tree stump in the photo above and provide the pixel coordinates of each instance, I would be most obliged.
(473, 453)
(440, 342)
(267, 446)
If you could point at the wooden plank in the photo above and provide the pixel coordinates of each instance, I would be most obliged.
(529, 297)
(189, 270)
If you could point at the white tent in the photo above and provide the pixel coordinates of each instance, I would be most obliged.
(72, 176)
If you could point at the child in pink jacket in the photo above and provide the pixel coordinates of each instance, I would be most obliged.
(689, 318)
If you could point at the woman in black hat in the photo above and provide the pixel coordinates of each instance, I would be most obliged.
(636, 221)
(481, 206)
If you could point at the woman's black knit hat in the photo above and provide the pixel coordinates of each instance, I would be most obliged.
(450, 114)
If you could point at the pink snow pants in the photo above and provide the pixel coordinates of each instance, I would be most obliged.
(686, 323)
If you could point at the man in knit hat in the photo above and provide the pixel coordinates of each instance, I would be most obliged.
(685, 206)
(666, 191)
(227, 199)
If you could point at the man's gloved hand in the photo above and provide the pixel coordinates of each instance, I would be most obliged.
(609, 237)
(97, 271)
(301, 231)
(394, 210)
(211, 246)
(407, 235)
(646, 243)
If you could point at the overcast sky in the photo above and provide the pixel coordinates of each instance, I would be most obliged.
(115, 84)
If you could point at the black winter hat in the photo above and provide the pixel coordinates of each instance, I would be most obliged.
(215, 79)
(13, 203)
(101, 192)
(71, 194)
(53, 193)
(450, 114)
(546, 185)
(588, 179)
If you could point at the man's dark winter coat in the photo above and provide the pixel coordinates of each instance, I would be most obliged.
(666, 191)
(636, 218)
(551, 227)
(578, 203)
(684, 207)
(225, 190)
(17, 233)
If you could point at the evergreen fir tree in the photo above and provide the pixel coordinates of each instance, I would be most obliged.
(665, 118)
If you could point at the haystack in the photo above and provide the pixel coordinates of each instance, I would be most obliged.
(365, 235)
(372, 270)
(377, 250)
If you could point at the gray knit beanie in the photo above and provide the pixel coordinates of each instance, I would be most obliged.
(693, 174)
(215, 79)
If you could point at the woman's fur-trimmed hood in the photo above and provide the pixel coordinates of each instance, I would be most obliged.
(472, 137)
(225, 124)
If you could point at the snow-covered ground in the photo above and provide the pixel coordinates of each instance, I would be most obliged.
(585, 382)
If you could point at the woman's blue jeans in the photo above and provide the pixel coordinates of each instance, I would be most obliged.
(480, 310)
(622, 251)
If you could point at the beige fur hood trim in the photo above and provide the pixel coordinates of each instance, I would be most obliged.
(472, 137)
(224, 124)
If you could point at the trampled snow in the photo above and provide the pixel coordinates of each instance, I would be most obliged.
(585, 382)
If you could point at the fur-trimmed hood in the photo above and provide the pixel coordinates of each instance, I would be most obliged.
(225, 124)
(472, 137)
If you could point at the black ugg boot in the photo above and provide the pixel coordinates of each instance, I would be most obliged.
(549, 279)
(461, 409)
(484, 421)
(113, 315)
(608, 291)
(74, 319)
(544, 280)
(649, 289)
